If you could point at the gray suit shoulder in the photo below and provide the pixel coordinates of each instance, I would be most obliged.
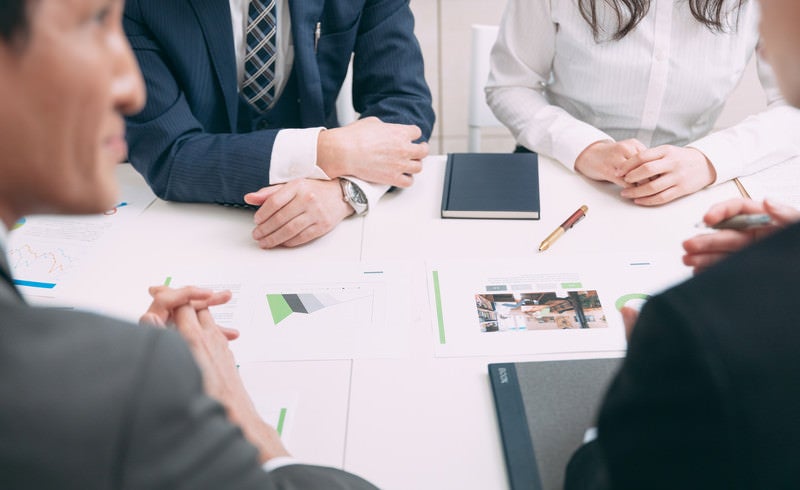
(300, 476)
(126, 405)
(66, 380)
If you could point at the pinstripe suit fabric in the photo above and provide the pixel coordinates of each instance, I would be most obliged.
(192, 142)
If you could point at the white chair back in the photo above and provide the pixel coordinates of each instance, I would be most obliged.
(480, 116)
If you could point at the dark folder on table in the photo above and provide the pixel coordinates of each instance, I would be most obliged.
(491, 185)
(544, 409)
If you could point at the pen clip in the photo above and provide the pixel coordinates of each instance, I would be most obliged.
(583, 215)
(317, 35)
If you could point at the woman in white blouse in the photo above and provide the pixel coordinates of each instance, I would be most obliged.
(627, 91)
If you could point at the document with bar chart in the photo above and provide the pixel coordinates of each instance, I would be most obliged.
(542, 305)
(279, 413)
(311, 310)
(307, 402)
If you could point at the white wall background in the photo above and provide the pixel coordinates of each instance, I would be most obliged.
(443, 30)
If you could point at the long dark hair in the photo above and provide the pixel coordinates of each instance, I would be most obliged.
(630, 12)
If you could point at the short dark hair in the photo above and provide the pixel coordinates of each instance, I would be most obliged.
(14, 20)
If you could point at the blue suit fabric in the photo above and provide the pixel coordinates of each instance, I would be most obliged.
(197, 139)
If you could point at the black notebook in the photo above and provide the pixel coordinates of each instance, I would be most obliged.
(544, 409)
(491, 185)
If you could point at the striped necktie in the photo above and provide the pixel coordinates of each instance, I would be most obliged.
(259, 61)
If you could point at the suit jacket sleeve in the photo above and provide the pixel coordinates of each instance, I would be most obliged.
(178, 438)
(182, 158)
(388, 68)
(661, 424)
(188, 156)
(586, 469)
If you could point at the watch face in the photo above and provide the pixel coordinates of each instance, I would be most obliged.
(357, 194)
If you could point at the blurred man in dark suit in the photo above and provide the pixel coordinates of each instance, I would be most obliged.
(89, 402)
(707, 396)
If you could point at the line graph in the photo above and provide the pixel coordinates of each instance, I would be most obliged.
(47, 266)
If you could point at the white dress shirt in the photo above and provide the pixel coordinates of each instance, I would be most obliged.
(294, 153)
(666, 82)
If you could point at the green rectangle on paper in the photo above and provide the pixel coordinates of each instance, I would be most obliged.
(439, 315)
(571, 285)
(281, 420)
(279, 307)
(496, 288)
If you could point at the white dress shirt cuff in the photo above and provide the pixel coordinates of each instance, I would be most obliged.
(569, 146)
(761, 140)
(723, 156)
(570, 137)
(279, 462)
(373, 192)
(294, 156)
(720, 158)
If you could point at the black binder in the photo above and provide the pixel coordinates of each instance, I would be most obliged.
(544, 409)
(491, 185)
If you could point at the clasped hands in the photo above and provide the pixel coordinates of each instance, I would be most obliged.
(649, 176)
(302, 210)
(186, 310)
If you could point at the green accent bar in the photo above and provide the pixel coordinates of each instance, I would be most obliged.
(571, 285)
(624, 299)
(168, 281)
(281, 420)
(279, 307)
(439, 315)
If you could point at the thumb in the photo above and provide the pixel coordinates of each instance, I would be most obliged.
(782, 214)
(629, 317)
(258, 197)
(229, 333)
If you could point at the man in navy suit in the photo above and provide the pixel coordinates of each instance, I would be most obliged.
(202, 138)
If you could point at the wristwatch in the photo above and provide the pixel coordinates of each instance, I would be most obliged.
(354, 196)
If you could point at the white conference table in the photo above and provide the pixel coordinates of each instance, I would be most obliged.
(411, 420)
(428, 422)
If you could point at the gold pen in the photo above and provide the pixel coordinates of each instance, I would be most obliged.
(566, 225)
(741, 188)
